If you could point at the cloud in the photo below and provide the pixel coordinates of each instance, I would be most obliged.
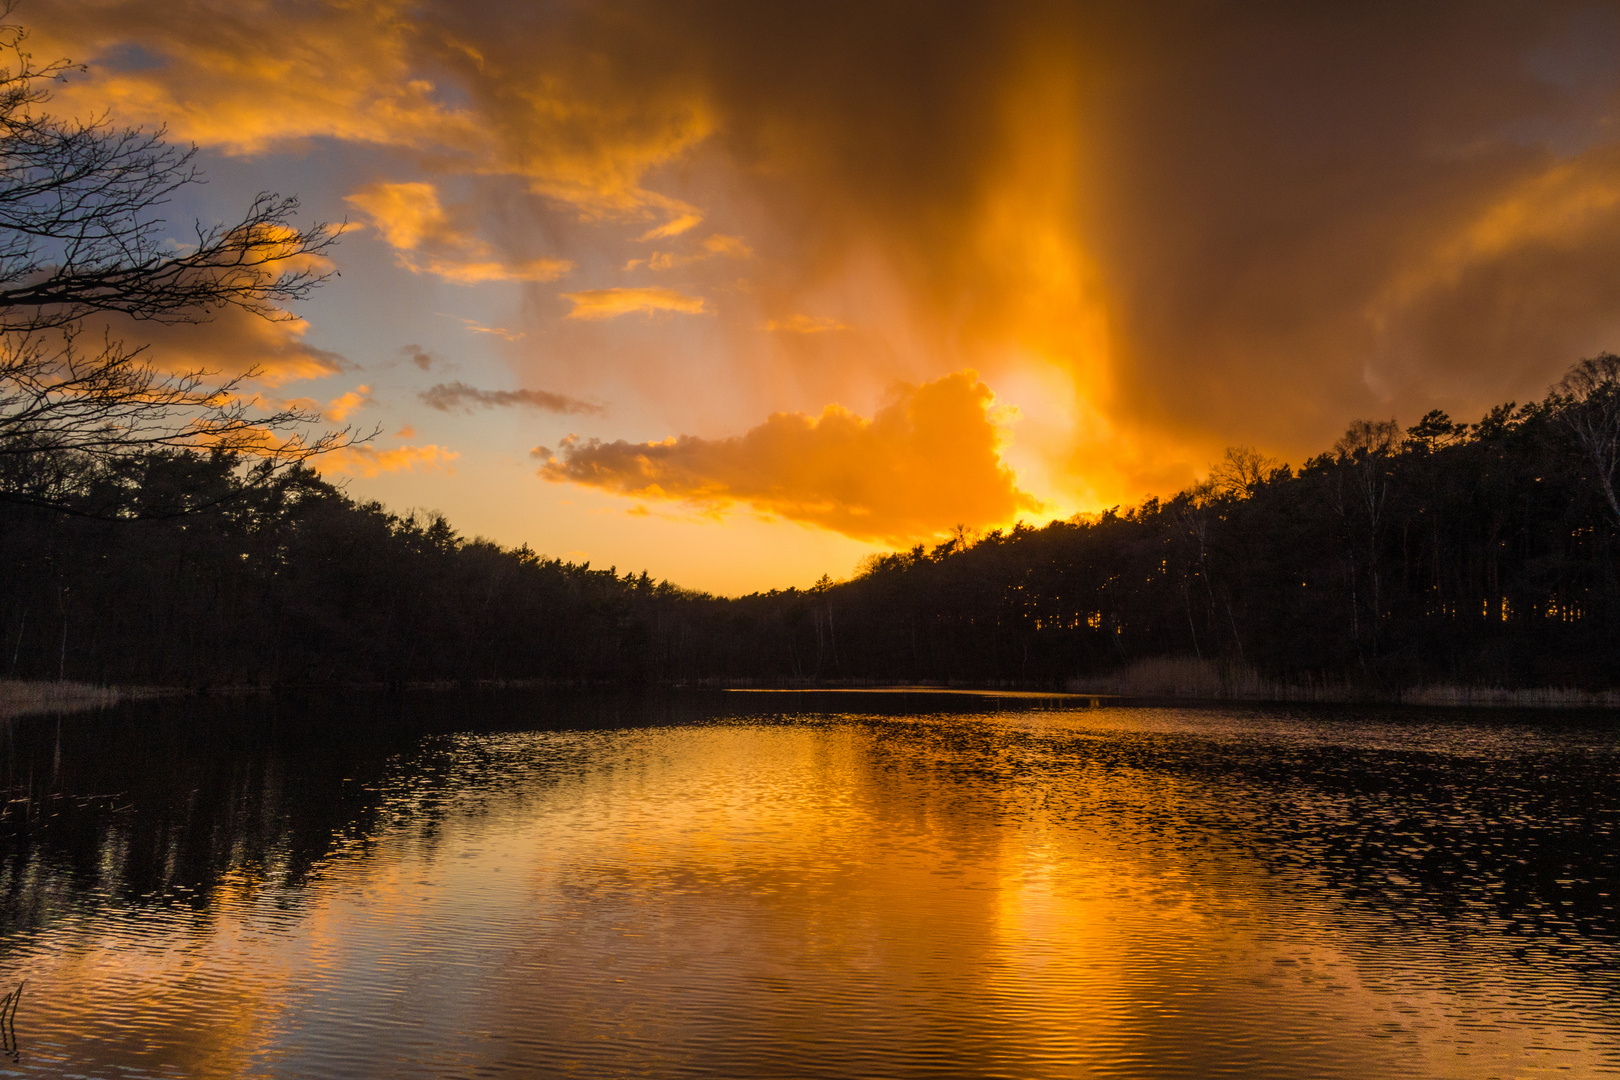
(1242, 224)
(721, 244)
(368, 460)
(805, 324)
(270, 402)
(406, 215)
(448, 397)
(427, 241)
(925, 462)
(212, 77)
(231, 344)
(673, 227)
(718, 244)
(418, 356)
(611, 303)
(659, 260)
(468, 93)
(1546, 244)
(473, 326)
(341, 408)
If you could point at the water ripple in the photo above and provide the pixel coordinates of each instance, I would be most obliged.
(735, 892)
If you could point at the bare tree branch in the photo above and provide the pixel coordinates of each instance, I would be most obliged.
(1591, 410)
(82, 234)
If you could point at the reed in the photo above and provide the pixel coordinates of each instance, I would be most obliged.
(1191, 678)
(8, 1019)
(1544, 697)
(20, 697)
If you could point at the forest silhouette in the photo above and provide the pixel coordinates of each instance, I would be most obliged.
(166, 526)
(1474, 554)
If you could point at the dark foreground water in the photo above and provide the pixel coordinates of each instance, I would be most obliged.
(794, 885)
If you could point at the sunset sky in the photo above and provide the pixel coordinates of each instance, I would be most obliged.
(738, 293)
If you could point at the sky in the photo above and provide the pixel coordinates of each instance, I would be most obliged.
(740, 293)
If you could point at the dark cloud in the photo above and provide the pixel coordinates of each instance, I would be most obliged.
(418, 356)
(1228, 221)
(448, 397)
(1225, 222)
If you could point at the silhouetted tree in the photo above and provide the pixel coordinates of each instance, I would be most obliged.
(1465, 553)
(1592, 413)
(81, 235)
(1359, 499)
(1240, 469)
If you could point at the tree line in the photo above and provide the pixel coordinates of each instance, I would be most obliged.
(1480, 553)
(160, 526)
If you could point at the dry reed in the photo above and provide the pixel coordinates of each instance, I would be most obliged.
(1192, 678)
(19, 697)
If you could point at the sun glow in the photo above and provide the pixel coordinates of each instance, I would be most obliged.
(1091, 213)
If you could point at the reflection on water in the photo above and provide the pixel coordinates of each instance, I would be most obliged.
(744, 885)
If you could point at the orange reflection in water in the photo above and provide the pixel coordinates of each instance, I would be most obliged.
(996, 896)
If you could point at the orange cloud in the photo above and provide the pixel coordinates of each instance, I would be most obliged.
(369, 72)
(473, 326)
(611, 303)
(405, 214)
(341, 408)
(805, 324)
(270, 402)
(427, 241)
(1560, 209)
(658, 260)
(721, 244)
(673, 227)
(718, 244)
(1156, 223)
(213, 79)
(368, 460)
(230, 344)
(927, 461)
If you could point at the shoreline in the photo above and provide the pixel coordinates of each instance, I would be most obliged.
(1123, 692)
(1182, 682)
(1193, 679)
(25, 697)
(31, 697)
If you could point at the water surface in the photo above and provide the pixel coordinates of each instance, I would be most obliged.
(807, 885)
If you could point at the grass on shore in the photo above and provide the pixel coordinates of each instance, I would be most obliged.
(21, 697)
(1162, 677)
(1188, 677)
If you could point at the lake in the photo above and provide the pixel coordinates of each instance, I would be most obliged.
(710, 884)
